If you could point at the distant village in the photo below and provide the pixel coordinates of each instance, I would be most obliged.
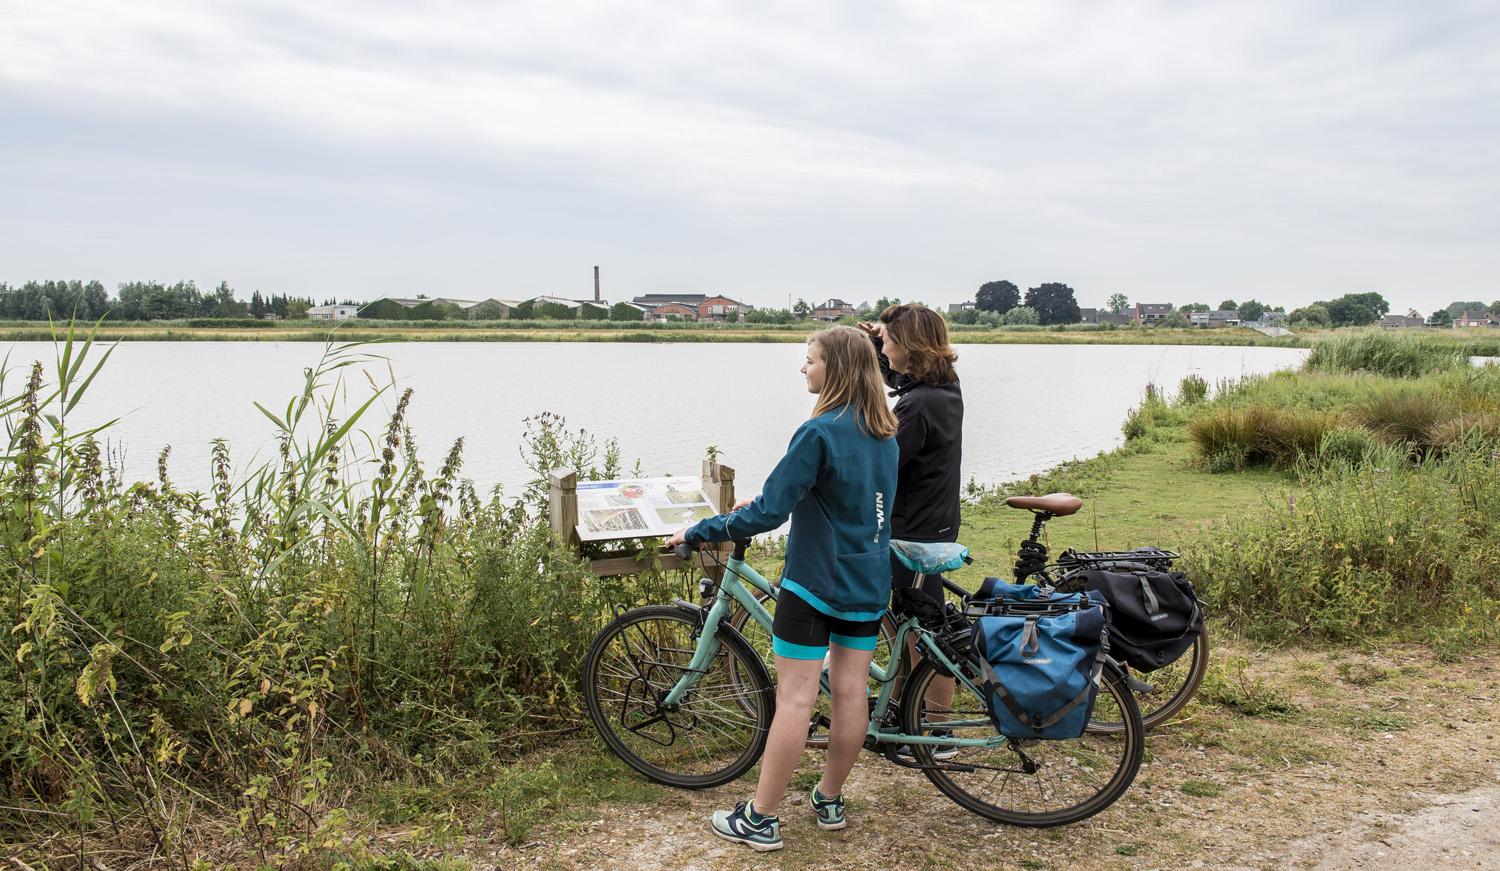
(996, 303)
(660, 307)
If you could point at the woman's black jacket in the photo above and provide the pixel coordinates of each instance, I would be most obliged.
(931, 441)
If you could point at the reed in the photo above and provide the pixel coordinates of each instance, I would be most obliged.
(1393, 353)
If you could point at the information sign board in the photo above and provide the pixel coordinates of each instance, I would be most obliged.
(642, 508)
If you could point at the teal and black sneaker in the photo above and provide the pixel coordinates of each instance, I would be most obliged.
(763, 835)
(830, 810)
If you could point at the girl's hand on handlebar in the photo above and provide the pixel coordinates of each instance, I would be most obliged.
(678, 537)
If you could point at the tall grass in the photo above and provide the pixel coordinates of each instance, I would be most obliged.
(1393, 353)
(191, 675)
(1399, 550)
(1285, 418)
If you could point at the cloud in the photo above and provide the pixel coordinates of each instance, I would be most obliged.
(401, 79)
(1324, 132)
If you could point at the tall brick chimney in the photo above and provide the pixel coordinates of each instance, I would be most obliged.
(596, 284)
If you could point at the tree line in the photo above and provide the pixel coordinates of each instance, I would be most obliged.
(1001, 302)
(995, 303)
(139, 301)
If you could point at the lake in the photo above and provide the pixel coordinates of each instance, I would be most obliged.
(1028, 407)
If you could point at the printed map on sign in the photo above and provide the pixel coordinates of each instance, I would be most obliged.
(640, 509)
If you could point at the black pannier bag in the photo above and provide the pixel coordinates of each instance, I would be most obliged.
(1154, 615)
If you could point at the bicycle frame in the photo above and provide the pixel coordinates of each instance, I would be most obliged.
(733, 589)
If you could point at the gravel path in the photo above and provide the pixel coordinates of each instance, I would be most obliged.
(1391, 763)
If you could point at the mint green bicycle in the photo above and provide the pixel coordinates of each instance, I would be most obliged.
(680, 695)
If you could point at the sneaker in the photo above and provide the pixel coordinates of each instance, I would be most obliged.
(940, 752)
(735, 826)
(830, 810)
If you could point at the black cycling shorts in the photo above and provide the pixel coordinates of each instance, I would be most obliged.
(800, 631)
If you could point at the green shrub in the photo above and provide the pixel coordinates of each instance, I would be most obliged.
(245, 323)
(1230, 459)
(253, 648)
(1346, 446)
(1386, 549)
(1192, 390)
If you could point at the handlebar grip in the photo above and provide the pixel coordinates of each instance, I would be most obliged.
(684, 551)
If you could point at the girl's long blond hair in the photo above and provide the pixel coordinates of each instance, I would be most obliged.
(851, 376)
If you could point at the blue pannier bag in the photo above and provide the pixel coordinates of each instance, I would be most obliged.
(1041, 656)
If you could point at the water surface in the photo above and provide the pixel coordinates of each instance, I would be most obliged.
(1028, 407)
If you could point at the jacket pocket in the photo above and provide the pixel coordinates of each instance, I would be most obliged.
(865, 580)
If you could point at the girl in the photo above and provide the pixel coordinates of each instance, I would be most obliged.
(838, 483)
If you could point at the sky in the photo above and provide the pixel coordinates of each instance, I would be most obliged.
(1281, 150)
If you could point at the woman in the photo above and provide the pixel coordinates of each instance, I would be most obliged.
(916, 360)
(837, 482)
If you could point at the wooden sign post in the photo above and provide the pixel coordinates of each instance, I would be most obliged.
(718, 486)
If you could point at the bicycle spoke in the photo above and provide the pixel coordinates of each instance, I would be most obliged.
(716, 729)
(1023, 781)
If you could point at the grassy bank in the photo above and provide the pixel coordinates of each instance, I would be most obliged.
(1363, 504)
(351, 642)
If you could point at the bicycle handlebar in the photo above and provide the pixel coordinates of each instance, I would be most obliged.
(685, 550)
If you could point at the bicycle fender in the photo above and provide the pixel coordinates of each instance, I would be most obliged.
(700, 615)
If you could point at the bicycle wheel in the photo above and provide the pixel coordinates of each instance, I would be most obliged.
(1172, 687)
(713, 736)
(759, 637)
(1026, 782)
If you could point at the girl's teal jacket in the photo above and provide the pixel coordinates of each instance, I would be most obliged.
(838, 485)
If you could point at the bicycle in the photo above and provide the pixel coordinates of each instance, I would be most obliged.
(1161, 696)
(684, 699)
(1167, 690)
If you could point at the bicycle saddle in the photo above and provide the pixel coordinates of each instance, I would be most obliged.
(930, 557)
(1056, 504)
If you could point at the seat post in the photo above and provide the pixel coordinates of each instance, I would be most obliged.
(1039, 519)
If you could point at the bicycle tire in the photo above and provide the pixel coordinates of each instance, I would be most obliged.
(719, 730)
(1026, 782)
(759, 638)
(1172, 686)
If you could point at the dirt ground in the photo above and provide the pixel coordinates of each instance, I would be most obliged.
(1389, 760)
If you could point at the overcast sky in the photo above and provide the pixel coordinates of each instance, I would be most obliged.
(1285, 150)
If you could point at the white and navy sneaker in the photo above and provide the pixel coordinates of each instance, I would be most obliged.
(830, 810)
(940, 752)
(762, 836)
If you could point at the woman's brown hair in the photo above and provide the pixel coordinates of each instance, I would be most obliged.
(924, 335)
(851, 376)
